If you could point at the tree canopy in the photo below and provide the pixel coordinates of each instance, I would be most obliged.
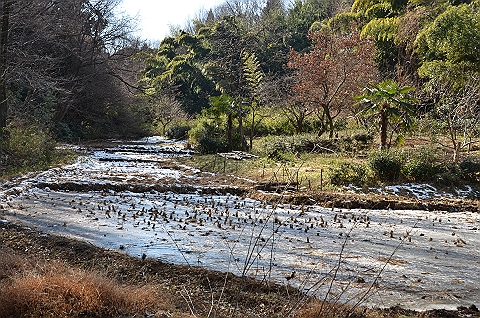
(303, 59)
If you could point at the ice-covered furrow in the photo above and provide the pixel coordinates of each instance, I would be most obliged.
(159, 150)
(135, 160)
(137, 188)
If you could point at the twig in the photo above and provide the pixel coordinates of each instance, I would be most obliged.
(189, 302)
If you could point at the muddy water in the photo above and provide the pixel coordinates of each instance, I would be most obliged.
(135, 198)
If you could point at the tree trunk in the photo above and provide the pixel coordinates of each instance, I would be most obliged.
(229, 131)
(383, 129)
(299, 125)
(252, 129)
(331, 128)
(240, 126)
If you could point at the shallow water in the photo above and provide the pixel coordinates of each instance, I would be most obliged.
(416, 259)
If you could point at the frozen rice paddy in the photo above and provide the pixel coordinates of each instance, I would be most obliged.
(121, 198)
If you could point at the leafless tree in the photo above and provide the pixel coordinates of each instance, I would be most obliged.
(56, 54)
(458, 112)
(165, 109)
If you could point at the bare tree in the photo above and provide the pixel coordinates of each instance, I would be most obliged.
(165, 109)
(458, 112)
(4, 30)
(332, 73)
(55, 55)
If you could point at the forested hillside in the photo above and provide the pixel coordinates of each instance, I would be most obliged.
(71, 70)
(252, 68)
(66, 74)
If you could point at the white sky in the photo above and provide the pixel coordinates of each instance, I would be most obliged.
(155, 16)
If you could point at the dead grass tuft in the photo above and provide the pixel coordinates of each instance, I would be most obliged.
(55, 290)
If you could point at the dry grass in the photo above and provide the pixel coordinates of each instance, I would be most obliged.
(39, 289)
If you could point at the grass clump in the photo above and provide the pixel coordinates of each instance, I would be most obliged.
(40, 289)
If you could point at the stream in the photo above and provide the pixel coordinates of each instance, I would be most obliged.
(135, 197)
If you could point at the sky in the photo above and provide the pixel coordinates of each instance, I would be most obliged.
(155, 16)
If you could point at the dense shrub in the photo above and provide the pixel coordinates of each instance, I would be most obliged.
(386, 165)
(177, 132)
(348, 173)
(275, 146)
(70, 132)
(363, 138)
(27, 147)
(422, 165)
(470, 170)
(272, 146)
(272, 125)
(209, 145)
(451, 177)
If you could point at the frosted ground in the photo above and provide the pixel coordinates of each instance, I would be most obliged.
(134, 198)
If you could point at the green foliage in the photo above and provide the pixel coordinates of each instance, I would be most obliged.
(451, 177)
(252, 71)
(300, 18)
(221, 105)
(363, 138)
(381, 29)
(70, 132)
(454, 35)
(350, 173)
(470, 170)
(422, 165)
(386, 164)
(211, 145)
(275, 146)
(27, 148)
(342, 21)
(203, 125)
(390, 102)
(177, 132)
(175, 67)
(210, 132)
(276, 124)
(449, 50)
(208, 136)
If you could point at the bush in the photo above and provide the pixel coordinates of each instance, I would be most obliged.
(27, 147)
(422, 166)
(348, 173)
(448, 178)
(469, 170)
(177, 132)
(363, 138)
(386, 165)
(274, 125)
(276, 146)
(210, 145)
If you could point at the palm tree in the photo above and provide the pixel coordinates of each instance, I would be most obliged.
(391, 103)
